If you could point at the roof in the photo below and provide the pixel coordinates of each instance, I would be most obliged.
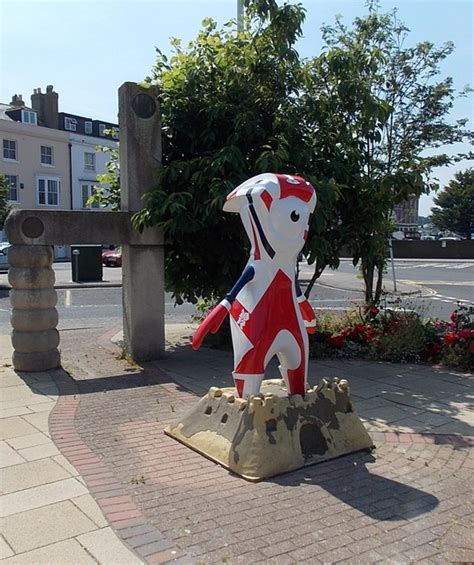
(4, 108)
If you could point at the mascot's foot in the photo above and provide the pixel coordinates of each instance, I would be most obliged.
(272, 433)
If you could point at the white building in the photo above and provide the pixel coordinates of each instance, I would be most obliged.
(86, 163)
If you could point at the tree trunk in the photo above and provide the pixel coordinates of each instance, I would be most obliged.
(378, 288)
(318, 269)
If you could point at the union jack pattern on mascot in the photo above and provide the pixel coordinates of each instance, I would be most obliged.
(269, 315)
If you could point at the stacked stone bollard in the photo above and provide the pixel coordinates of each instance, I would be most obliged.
(34, 319)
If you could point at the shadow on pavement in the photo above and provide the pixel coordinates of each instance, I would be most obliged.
(349, 480)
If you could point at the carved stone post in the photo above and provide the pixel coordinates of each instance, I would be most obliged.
(142, 267)
(34, 319)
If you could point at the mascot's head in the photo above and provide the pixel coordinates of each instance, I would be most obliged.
(275, 210)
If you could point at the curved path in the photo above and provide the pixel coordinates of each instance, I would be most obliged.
(406, 502)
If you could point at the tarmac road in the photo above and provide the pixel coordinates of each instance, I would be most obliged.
(438, 284)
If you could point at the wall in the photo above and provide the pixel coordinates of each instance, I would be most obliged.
(82, 144)
(28, 166)
(448, 249)
(411, 249)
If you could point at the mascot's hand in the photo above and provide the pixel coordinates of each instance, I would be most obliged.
(211, 323)
(309, 317)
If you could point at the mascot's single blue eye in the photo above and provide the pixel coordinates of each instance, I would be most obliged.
(294, 216)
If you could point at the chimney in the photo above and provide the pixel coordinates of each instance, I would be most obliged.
(47, 106)
(17, 101)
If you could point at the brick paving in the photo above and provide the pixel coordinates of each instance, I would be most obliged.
(411, 500)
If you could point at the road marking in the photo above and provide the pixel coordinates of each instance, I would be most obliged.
(439, 283)
(434, 265)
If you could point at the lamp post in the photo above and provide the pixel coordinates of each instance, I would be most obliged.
(240, 15)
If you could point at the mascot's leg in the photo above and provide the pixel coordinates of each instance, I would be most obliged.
(293, 362)
(247, 385)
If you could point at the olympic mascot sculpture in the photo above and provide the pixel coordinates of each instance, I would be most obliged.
(269, 315)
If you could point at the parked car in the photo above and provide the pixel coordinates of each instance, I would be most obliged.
(4, 264)
(112, 258)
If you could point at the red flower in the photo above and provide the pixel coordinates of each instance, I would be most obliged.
(450, 337)
(336, 341)
(465, 333)
(454, 316)
(374, 311)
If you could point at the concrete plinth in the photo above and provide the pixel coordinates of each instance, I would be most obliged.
(272, 433)
(35, 338)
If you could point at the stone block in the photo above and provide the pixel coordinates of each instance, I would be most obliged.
(34, 278)
(273, 433)
(37, 361)
(34, 341)
(29, 299)
(30, 256)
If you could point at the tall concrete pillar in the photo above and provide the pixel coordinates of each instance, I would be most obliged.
(142, 266)
(34, 319)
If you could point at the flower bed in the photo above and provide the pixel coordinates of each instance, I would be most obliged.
(397, 336)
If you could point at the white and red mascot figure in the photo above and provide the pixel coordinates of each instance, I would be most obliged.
(268, 313)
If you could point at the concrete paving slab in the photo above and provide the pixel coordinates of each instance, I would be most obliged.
(14, 427)
(8, 456)
(42, 406)
(39, 420)
(30, 440)
(9, 378)
(64, 463)
(455, 428)
(28, 475)
(107, 549)
(5, 549)
(39, 452)
(19, 392)
(68, 552)
(39, 496)
(91, 509)
(16, 411)
(46, 525)
(26, 401)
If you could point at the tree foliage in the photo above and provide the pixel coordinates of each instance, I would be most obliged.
(454, 209)
(5, 205)
(400, 139)
(228, 113)
(365, 121)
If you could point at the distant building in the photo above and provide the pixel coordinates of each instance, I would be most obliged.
(34, 159)
(406, 215)
(50, 158)
(84, 135)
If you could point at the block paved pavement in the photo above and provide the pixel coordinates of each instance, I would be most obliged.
(411, 500)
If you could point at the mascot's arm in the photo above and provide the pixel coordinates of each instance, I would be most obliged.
(213, 321)
(309, 317)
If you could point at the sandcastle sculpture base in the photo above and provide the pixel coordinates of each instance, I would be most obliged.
(273, 433)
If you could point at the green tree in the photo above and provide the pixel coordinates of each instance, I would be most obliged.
(5, 205)
(454, 209)
(405, 142)
(228, 105)
(107, 192)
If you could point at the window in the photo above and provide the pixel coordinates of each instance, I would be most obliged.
(9, 149)
(46, 155)
(28, 117)
(12, 183)
(88, 127)
(102, 130)
(87, 191)
(48, 191)
(89, 161)
(70, 124)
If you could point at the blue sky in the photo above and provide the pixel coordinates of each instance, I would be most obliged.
(87, 49)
